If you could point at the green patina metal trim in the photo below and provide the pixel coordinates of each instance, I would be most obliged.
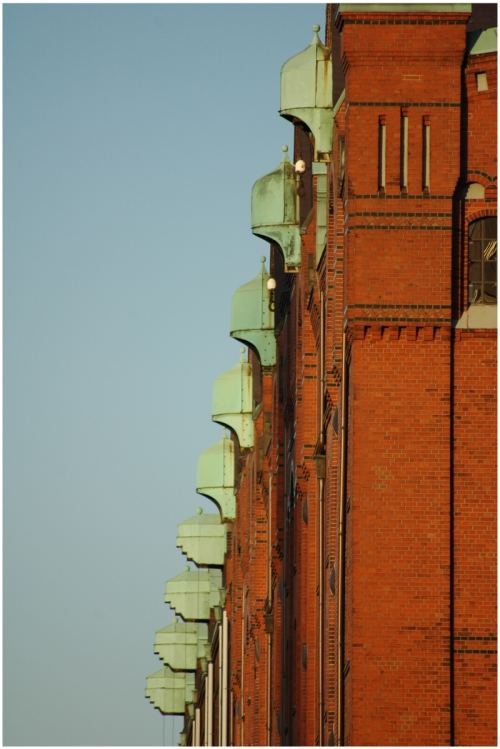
(274, 211)
(482, 42)
(405, 8)
(319, 170)
(306, 92)
(338, 103)
(215, 477)
(232, 402)
(202, 539)
(180, 644)
(252, 319)
(169, 691)
(194, 593)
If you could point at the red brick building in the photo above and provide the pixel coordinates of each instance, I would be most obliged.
(359, 580)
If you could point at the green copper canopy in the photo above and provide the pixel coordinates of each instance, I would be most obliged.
(215, 477)
(274, 212)
(202, 539)
(232, 402)
(482, 42)
(306, 92)
(181, 644)
(169, 691)
(194, 593)
(252, 319)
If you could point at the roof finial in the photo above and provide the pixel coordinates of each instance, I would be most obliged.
(199, 511)
(285, 152)
(242, 354)
(316, 38)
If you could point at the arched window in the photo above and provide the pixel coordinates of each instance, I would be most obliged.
(483, 261)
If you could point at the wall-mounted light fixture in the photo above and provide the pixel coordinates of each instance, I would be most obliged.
(271, 286)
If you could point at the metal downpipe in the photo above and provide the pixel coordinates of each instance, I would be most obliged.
(341, 553)
(321, 551)
(210, 707)
(242, 700)
(225, 652)
(269, 597)
(219, 645)
(197, 727)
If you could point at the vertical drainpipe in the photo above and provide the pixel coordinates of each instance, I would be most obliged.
(225, 670)
(197, 727)
(321, 551)
(242, 699)
(341, 552)
(207, 708)
(270, 606)
(231, 718)
(210, 707)
(220, 645)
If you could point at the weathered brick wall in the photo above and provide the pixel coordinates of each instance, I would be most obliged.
(419, 619)
(248, 577)
(474, 412)
(475, 543)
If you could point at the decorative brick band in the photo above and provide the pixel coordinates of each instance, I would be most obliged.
(400, 227)
(477, 652)
(439, 104)
(403, 320)
(401, 196)
(404, 22)
(427, 331)
(483, 174)
(398, 306)
(400, 213)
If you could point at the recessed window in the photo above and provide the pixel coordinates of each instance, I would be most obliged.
(426, 165)
(483, 261)
(481, 81)
(404, 150)
(382, 139)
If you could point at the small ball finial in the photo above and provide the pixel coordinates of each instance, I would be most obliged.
(262, 259)
(284, 149)
(316, 28)
(199, 511)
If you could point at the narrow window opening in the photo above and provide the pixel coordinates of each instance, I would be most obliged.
(381, 152)
(341, 162)
(426, 154)
(483, 261)
(404, 151)
(481, 81)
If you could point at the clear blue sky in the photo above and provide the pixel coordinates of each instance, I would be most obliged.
(132, 137)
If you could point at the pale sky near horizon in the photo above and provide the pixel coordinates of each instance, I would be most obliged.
(132, 137)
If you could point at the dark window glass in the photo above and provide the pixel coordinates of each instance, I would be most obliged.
(483, 261)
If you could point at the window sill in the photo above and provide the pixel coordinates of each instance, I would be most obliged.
(479, 316)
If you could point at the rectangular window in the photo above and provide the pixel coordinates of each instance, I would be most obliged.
(483, 261)
(481, 81)
(404, 150)
(426, 153)
(381, 152)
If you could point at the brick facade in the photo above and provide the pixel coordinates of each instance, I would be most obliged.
(361, 570)
(418, 455)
